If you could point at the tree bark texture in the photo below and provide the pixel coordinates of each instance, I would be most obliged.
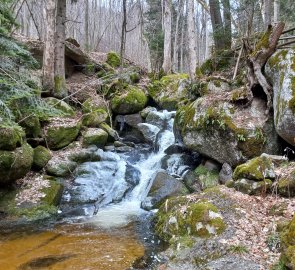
(192, 54)
(217, 25)
(167, 62)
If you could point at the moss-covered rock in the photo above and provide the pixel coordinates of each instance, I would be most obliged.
(213, 127)
(281, 70)
(11, 136)
(95, 136)
(41, 157)
(251, 187)
(205, 177)
(257, 169)
(94, 119)
(286, 179)
(61, 132)
(113, 134)
(15, 164)
(132, 100)
(113, 59)
(180, 217)
(288, 245)
(60, 168)
(93, 104)
(60, 105)
(170, 91)
(31, 125)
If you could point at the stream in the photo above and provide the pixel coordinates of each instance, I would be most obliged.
(101, 224)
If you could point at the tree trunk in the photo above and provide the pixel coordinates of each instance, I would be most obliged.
(227, 24)
(276, 11)
(86, 33)
(48, 59)
(60, 90)
(267, 13)
(217, 25)
(176, 38)
(192, 56)
(167, 63)
(123, 33)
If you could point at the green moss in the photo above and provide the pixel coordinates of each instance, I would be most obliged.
(60, 89)
(11, 136)
(31, 125)
(94, 119)
(292, 100)
(255, 169)
(134, 77)
(96, 137)
(288, 245)
(206, 178)
(275, 60)
(113, 59)
(60, 105)
(41, 157)
(263, 43)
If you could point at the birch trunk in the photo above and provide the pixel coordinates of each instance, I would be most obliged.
(60, 90)
(86, 33)
(48, 59)
(192, 56)
(167, 63)
(276, 11)
(267, 13)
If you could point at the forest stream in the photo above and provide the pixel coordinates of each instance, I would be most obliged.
(101, 224)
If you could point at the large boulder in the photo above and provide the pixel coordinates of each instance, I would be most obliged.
(132, 100)
(163, 187)
(60, 132)
(11, 136)
(225, 132)
(15, 164)
(95, 136)
(41, 157)
(171, 91)
(281, 68)
(179, 217)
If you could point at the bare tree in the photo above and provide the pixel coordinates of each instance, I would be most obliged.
(192, 56)
(180, 6)
(123, 33)
(167, 63)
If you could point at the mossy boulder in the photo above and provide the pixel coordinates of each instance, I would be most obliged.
(60, 167)
(95, 136)
(94, 119)
(93, 104)
(256, 169)
(288, 245)
(15, 164)
(66, 109)
(251, 187)
(281, 69)
(286, 181)
(113, 134)
(170, 91)
(179, 217)
(131, 101)
(11, 136)
(219, 130)
(206, 178)
(113, 59)
(60, 132)
(41, 157)
(31, 125)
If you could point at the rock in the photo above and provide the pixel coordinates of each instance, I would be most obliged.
(282, 72)
(148, 203)
(149, 132)
(212, 165)
(165, 186)
(251, 187)
(225, 133)
(61, 132)
(157, 119)
(112, 133)
(119, 144)
(93, 104)
(15, 164)
(286, 179)
(217, 86)
(41, 157)
(113, 59)
(31, 125)
(60, 105)
(191, 181)
(60, 167)
(144, 113)
(288, 245)
(175, 149)
(132, 120)
(206, 178)
(132, 175)
(180, 217)
(11, 136)
(123, 149)
(225, 174)
(256, 169)
(131, 101)
(95, 136)
(171, 91)
(94, 119)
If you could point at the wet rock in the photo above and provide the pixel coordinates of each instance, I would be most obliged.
(149, 132)
(15, 164)
(95, 136)
(132, 101)
(132, 120)
(123, 149)
(226, 173)
(132, 175)
(175, 149)
(165, 186)
(157, 119)
(144, 113)
(214, 129)
(60, 132)
(281, 71)
(190, 180)
(113, 134)
(41, 157)
(94, 119)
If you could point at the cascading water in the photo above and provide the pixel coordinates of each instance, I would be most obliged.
(119, 182)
